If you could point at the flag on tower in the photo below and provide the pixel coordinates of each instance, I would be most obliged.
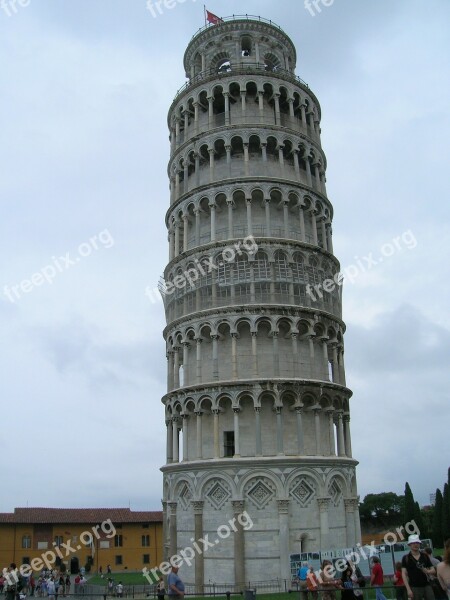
(212, 18)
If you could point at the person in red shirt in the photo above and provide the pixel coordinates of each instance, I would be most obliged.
(400, 590)
(376, 578)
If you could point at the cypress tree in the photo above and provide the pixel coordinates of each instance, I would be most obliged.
(419, 521)
(409, 504)
(446, 513)
(437, 521)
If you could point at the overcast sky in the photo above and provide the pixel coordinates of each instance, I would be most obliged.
(85, 89)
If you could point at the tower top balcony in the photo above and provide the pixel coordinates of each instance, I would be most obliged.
(239, 39)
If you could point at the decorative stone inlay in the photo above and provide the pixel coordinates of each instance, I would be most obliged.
(260, 493)
(185, 496)
(302, 491)
(218, 494)
(335, 492)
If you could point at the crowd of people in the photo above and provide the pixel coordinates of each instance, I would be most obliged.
(419, 576)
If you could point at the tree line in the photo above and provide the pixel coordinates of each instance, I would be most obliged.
(389, 510)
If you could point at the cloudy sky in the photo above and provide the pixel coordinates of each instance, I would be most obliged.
(85, 88)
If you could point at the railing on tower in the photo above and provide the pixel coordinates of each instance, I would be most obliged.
(242, 68)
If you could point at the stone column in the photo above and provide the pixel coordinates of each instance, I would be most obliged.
(335, 365)
(294, 337)
(277, 109)
(199, 567)
(230, 205)
(349, 505)
(314, 228)
(279, 418)
(171, 244)
(267, 210)
(177, 238)
(239, 544)
(341, 367)
(185, 437)
(170, 370)
(283, 515)
(308, 172)
(195, 104)
(264, 151)
(215, 357)
(302, 223)
(198, 375)
(249, 216)
(330, 414)
(186, 378)
(237, 449)
(185, 177)
(324, 233)
(176, 452)
(197, 169)
(176, 367)
(329, 238)
(243, 102)
(303, 114)
(258, 443)
(286, 218)
(185, 232)
(311, 355)
(165, 532)
(227, 107)
(276, 354)
(216, 413)
(234, 356)
(198, 414)
(246, 160)
(324, 527)
(173, 543)
(197, 226)
(300, 436)
(228, 151)
(254, 335)
(296, 164)
(169, 444)
(317, 430)
(177, 131)
(210, 112)
(340, 435)
(211, 164)
(212, 209)
(347, 438)
(261, 106)
(324, 340)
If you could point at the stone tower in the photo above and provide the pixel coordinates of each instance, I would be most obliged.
(257, 409)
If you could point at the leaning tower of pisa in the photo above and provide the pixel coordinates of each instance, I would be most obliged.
(257, 408)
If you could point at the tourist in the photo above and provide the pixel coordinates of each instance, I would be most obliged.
(67, 583)
(377, 578)
(119, 590)
(416, 569)
(347, 592)
(429, 552)
(51, 588)
(302, 575)
(312, 583)
(174, 584)
(400, 590)
(328, 584)
(443, 569)
(160, 589)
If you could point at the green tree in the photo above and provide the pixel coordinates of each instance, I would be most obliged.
(419, 520)
(446, 513)
(437, 520)
(382, 509)
(409, 506)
